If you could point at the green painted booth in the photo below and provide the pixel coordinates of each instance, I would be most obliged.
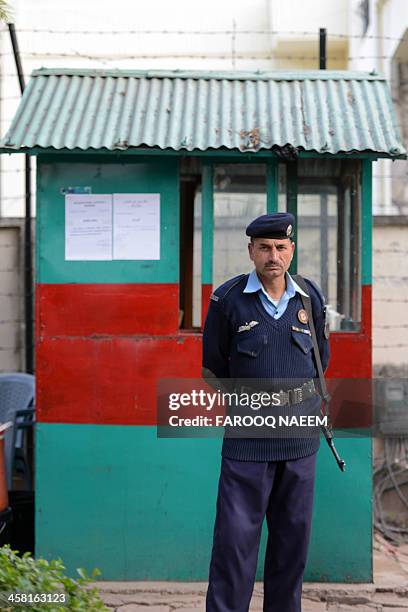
(121, 295)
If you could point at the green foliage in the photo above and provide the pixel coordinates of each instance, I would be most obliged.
(27, 575)
(5, 12)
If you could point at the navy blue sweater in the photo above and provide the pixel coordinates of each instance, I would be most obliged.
(271, 349)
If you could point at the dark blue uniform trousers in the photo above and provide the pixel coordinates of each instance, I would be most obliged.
(249, 490)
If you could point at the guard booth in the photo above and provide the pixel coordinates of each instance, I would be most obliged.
(121, 301)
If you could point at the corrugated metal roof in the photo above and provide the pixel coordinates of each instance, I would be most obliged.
(323, 111)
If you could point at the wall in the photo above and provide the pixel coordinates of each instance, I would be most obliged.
(293, 15)
(390, 292)
(296, 43)
(11, 296)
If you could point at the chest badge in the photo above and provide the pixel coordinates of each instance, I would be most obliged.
(247, 326)
(302, 316)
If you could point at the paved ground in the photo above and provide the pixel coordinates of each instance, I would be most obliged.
(389, 593)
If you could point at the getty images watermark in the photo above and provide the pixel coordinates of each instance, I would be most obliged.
(209, 401)
(239, 408)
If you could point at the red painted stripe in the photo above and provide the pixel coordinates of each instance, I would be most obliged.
(206, 291)
(350, 356)
(122, 309)
(109, 380)
(113, 379)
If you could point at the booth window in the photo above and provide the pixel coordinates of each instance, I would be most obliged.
(329, 235)
(324, 195)
(239, 196)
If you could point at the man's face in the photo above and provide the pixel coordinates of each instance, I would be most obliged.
(271, 256)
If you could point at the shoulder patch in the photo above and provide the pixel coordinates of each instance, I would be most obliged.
(214, 297)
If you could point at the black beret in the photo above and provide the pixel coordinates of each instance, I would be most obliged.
(275, 225)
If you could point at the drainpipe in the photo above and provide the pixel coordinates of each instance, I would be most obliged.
(324, 219)
(28, 269)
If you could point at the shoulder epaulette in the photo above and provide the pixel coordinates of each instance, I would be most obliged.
(223, 290)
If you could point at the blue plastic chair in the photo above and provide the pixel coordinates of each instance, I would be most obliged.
(17, 393)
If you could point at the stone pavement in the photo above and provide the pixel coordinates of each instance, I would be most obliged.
(389, 593)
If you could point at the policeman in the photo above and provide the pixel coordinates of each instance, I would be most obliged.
(256, 327)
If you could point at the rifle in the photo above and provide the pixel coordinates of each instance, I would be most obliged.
(328, 434)
(327, 430)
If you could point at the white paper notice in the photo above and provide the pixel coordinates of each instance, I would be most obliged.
(136, 226)
(88, 227)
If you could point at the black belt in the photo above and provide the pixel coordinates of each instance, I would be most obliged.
(290, 396)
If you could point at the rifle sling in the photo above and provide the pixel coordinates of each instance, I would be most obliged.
(307, 304)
